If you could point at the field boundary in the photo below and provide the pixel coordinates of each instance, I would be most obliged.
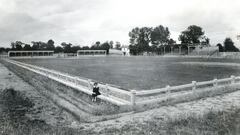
(194, 89)
(121, 97)
(108, 92)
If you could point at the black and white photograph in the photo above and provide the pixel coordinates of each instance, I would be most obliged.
(119, 67)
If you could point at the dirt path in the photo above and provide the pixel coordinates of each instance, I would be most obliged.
(43, 109)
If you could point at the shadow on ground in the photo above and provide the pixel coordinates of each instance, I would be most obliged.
(13, 108)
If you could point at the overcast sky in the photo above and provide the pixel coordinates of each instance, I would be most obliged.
(83, 22)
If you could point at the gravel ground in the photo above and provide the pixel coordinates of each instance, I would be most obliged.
(42, 109)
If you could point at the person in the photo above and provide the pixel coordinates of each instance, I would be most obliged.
(95, 92)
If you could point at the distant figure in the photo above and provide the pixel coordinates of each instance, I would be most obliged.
(95, 92)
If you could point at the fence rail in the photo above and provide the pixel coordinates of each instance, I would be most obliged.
(109, 93)
(119, 96)
(162, 93)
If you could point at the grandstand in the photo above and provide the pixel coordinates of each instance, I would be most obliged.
(38, 53)
(91, 52)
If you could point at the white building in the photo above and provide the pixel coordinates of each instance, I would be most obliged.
(125, 50)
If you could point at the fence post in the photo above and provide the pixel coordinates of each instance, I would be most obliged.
(215, 83)
(107, 89)
(76, 80)
(232, 79)
(133, 97)
(89, 84)
(194, 83)
(46, 73)
(168, 90)
(57, 75)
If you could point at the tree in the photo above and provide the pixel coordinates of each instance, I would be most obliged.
(160, 35)
(105, 46)
(58, 49)
(118, 45)
(13, 45)
(42, 45)
(66, 47)
(171, 41)
(8, 49)
(39, 45)
(191, 35)
(27, 47)
(2, 50)
(133, 49)
(229, 46)
(140, 37)
(35, 45)
(134, 34)
(50, 45)
(85, 48)
(220, 47)
(111, 44)
(204, 40)
(98, 43)
(17, 45)
(74, 49)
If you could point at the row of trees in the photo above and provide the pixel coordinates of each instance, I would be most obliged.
(141, 38)
(228, 46)
(69, 48)
(193, 35)
(144, 39)
(65, 47)
(147, 39)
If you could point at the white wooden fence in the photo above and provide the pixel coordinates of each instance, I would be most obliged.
(111, 94)
(119, 96)
(3, 56)
(194, 87)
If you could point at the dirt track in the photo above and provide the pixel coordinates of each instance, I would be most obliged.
(43, 109)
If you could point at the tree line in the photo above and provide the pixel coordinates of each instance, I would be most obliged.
(152, 39)
(228, 46)
(64, 48)
(142, 39)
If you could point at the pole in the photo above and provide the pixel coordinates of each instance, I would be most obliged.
(133, 97)
(194, 83)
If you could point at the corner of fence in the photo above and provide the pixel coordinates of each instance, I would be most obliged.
(233, 79)
(194, 85)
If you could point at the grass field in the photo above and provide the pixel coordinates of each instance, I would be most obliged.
(141, 72)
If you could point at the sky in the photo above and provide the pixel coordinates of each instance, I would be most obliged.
(83, 22)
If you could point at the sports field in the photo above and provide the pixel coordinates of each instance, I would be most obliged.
(143, 72)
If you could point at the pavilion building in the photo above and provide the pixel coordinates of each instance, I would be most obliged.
(91, 52)
(38, 53)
